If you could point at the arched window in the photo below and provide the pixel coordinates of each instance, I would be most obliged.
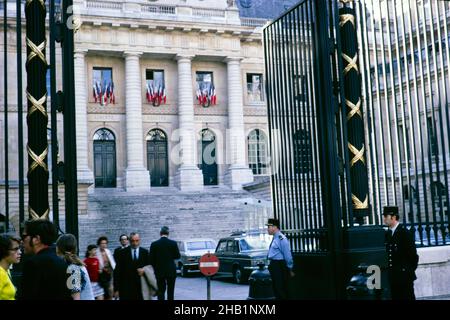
(257, 152)
(104, 134)
(156, 135)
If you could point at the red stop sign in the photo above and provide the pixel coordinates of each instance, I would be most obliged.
(208, 264)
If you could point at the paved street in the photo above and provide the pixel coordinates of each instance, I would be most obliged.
(194, 288)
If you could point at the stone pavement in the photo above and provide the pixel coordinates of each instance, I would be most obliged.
(194, 288)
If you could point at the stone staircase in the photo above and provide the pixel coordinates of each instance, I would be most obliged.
(212, 213)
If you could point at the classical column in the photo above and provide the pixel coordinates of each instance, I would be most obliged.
(238, 172)
(189, 177)
(137, 178)
(84, 174)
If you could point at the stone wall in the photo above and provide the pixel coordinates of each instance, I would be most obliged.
(433, 273)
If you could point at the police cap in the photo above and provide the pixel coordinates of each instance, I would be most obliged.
(273, 222)
(390, 210)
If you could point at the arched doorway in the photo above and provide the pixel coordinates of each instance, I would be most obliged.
(208, 156)
(104, 159)
(157, 159)
(257, 152)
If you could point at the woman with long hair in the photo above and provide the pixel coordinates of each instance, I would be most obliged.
(9, 254)
(78, 282)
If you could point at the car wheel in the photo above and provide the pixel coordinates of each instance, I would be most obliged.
(183, 271)
(237, 275)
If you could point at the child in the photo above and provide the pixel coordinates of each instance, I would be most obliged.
(93, 267)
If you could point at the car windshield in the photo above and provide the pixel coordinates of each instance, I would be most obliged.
(201, 245)
(255, 242)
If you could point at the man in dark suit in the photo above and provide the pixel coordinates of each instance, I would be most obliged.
(163, 252)
(44, 273)
(129, 270)
(123, 244)
(402, 256)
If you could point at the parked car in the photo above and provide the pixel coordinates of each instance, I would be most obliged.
(241, 252)
(190, 251)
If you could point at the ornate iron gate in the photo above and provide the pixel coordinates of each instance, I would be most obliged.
(353, 88)
(41, 85)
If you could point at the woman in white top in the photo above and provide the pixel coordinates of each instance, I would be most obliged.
(107, 264)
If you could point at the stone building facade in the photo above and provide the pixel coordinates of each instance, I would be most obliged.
(133, 49)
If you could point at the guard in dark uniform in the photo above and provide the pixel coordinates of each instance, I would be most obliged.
(402, 256)
(280, 260)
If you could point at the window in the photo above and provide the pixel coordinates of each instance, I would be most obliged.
(201, 245)
(222, 247)
(155, 87)
(204, 81)
(302, 151)
(439, 196)
(257, 152)
(432, 139)
(254, 87)
(103, 86)
(104, 134)
(155, 78)
(301, 82)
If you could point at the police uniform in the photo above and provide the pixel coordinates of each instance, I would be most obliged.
(402, 259)
(280, 263)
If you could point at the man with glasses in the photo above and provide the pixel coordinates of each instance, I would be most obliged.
(123, 244)
(129, 270)
(44, 273)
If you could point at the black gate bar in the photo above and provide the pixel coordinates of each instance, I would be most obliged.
(5, 108)
(70, 151)
(37, 147)
(20, 111)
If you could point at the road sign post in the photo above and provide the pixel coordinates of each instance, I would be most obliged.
(208, 265)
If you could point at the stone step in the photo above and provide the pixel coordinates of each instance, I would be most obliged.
(212, 213)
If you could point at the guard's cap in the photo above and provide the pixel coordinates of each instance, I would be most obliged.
(273, 222)
(390, 210)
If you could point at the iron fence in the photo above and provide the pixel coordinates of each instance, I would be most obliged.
(402, 60)
(40, 19)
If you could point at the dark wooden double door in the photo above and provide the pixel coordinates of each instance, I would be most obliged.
(105, 164)
(209, 164)
(157, 163)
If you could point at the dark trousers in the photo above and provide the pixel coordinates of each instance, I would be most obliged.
(164, 282)
(402, 286)
(280, 276)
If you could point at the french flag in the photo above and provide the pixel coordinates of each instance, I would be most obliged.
(212, 94)
(112, 97)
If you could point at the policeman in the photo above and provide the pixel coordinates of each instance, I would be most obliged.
(280, 260)
(402, 256)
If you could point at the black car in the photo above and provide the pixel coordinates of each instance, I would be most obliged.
(241, 252)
